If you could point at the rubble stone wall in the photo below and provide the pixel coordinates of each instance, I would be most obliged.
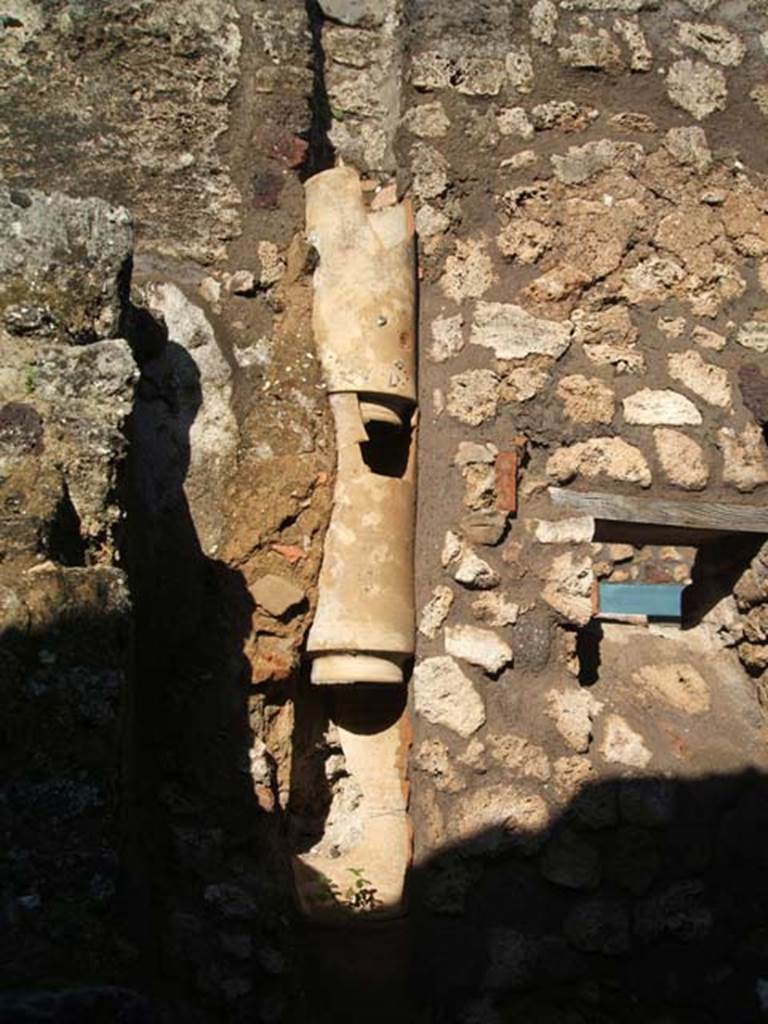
(166, 472)
(592, 224)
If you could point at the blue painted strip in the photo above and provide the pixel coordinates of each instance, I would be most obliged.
(661, 600)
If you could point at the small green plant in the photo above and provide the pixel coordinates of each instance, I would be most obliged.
(361, 895)
(30, 378)
(337, 113)
(326, 891)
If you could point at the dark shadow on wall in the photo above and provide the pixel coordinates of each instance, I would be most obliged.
(204, 885)
(717, 568)
(644, 901)
(142, 882)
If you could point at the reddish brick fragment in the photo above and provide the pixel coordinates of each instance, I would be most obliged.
(506, 481)
(292, 553)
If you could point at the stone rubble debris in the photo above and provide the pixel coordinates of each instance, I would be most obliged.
(445, 696)
(478, 646)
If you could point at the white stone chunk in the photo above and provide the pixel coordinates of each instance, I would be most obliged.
(465, 566)
(651, 408)
(573, 712)
(473, 396)
(447, 338)
(568, 588)
(600, 456)
(573, 530)
(697, 87)
(622, 745)
(472, 452)
(745, 465)
(496, 609)
(681, 458)
(473, 572)
(514, 333)
(754, 334)
(443, 695)
(706, 380)
(435, 611)
(481, 647)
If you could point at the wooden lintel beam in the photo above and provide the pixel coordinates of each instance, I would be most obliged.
(701, 515)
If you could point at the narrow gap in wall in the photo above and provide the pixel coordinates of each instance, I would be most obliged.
(65, 542)
(716, 570)
(588, 640)
(320, 154)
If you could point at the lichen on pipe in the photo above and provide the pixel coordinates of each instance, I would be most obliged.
(363, 322)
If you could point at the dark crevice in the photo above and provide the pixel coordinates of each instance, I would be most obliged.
(65, 542)
(588, 640)
(320, 154)
(716, 570)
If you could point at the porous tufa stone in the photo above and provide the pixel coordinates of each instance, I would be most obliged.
(622, 745)
(473, 396)
(500, 817)
(468, 272)
(513, 333)
(586, 399)
(443, 695)
(276, 595)
(745, 465)
(681, 458)
(651, 408)
(600, 456)
(435, 611)
(715, 42)
(481, 647)
(706, 380)
(573, 712)
(696, 87)
(754, 334)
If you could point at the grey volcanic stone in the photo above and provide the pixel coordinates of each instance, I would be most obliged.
(63, 263)
(365, 13)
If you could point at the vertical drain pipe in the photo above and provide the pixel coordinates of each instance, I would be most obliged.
(363, 322)
(363, 635)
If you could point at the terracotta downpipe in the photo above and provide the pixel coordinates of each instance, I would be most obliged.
(363, 631)
(363, 321)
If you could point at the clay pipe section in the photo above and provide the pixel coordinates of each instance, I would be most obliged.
(364, 878)
(363, 322)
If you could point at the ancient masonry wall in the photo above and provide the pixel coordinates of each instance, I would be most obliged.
(594, 233)
(166, 466)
